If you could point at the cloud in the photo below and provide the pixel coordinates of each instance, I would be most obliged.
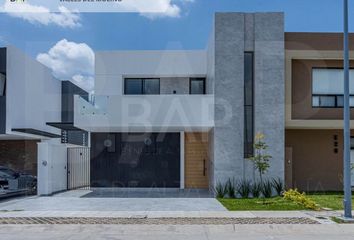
(71, 61)
(85, 82)
(47, 12)
(42, 15)
(169, 8)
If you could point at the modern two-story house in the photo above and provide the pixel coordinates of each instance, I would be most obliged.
(187, 119)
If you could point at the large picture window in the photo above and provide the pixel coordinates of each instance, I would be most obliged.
(141, 86)
(328, 88)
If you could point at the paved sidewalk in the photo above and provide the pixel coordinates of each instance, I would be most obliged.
(171, 232)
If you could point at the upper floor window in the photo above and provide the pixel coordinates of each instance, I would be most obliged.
(197, 86)
(141, 86)
(328, 88)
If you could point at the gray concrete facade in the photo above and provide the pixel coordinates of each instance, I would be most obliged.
(269, 89)
(233, 35)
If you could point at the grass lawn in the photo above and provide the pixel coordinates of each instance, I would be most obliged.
(329, 200)
(275, 203)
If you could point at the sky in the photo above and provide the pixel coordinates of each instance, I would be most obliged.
(65, 39)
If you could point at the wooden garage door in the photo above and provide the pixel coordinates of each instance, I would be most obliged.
(196, 160)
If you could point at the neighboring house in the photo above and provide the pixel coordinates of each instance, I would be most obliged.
(314, 110)
(30, 97)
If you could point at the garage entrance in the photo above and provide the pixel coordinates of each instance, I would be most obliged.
(135, 160)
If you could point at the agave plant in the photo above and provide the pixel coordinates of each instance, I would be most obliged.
(221, 190)
(278, 185)
(256, 189)
(231, 188)
(244, 188)
(267, 188)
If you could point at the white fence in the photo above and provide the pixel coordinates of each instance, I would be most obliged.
(62, 167)
(78, 167)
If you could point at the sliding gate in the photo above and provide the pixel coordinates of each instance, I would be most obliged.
(78, 168)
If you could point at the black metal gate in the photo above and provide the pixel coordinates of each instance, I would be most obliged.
(78, 168)
(135, 160)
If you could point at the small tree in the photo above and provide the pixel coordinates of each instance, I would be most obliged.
(260, 159)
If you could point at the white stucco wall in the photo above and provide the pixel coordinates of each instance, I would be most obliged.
(112, 66)
(33, 95)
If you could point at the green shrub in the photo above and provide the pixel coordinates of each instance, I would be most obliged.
(267, 189)
(244, 188)
(278, 186)
(256, 189)
(231, 188)
(300, 198)
(221, 190)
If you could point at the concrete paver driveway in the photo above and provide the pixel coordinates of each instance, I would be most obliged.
(76, 201)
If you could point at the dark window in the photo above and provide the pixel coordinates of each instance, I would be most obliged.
(140, 86)
(133, 86)
(330, 101)
(2, 84)
(352, 143)
(197, 86)
(248, 104)
(151, 86)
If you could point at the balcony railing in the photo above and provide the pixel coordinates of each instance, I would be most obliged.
(145, 113)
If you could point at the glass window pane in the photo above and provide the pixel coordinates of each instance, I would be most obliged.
(340, 101)
(315, 101)
(2, 84)
(248, 78)
(152, 86)
(351, 101)
(248, 138)
(197, 86)
(327, 101)
(351, 143)
(327, 81)
(330, 81)
(133, 86)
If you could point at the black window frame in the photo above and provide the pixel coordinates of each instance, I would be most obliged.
(336, 96)
(249, 145)
(142, 85)
(197, 79)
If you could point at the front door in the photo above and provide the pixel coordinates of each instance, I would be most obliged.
(196, 160)
(288, 167)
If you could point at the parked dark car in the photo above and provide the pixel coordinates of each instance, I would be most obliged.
(12, 180)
